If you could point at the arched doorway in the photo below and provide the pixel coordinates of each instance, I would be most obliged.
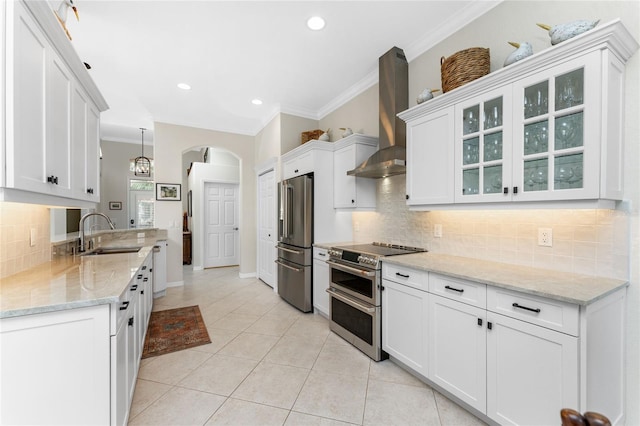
(211, 187)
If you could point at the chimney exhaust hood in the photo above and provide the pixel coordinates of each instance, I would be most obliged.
(390, 159)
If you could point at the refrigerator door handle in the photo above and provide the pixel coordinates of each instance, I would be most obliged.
(289, 250)
(287, 266)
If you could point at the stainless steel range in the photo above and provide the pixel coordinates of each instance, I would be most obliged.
(355, 299)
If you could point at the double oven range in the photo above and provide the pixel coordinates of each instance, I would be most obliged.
(355, 293)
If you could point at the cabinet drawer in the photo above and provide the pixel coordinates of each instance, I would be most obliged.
(407, 276)
(320, 253)
(461, 290)
(552, 314)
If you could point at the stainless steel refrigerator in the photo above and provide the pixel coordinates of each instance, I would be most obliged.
(295, 240)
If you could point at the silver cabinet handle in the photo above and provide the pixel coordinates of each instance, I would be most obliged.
(349, 269)
(289, 250)
(287, 266)
(349, 301)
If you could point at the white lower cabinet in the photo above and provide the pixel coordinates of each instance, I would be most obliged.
(458, 349)
(55, 367)
(515, 357)
(404, 324)
(532, 372)
(320, 281)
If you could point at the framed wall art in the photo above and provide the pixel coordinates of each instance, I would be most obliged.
(168, 191)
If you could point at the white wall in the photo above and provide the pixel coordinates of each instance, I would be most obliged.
(170, 143)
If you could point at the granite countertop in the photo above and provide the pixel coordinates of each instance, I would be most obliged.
(563, 286)
(68, 282)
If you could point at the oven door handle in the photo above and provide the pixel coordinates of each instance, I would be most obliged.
(349, 269)
(289, 250)
(287, 266)
(349, 301)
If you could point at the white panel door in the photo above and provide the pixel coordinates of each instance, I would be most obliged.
(267, 253)
(220, 224)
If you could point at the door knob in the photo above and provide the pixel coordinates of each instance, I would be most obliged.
(235, 229)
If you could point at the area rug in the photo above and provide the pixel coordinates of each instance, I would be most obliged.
(173, 330)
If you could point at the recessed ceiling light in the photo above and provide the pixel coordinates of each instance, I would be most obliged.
(315, 23)
(184, 86)
(256, 102)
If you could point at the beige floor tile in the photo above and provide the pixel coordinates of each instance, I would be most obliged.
(387, 371)
(257, 307)
(452, 414)
(250, 346)
(270, 384)
(341, 359)
(236, 412)
(313, 331)
(396, 404)
(295, 352)
(219, 374)
(334, 339)
(173, 367)
(233, 321)
(272, 326)
(300, 419)
(146, 393)
(219, 338)
(333, 396)
(180, 407)
(283, 309)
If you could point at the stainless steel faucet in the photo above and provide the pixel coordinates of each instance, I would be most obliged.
(81, 226)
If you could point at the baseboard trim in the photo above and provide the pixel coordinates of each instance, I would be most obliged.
(249, 275)
(175, 284)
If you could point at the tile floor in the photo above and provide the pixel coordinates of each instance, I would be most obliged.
(269, 364)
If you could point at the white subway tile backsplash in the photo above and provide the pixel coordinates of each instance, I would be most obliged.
(594, 242)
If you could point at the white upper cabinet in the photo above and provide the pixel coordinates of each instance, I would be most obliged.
(350, 192)
(51, 111)
(547, 129)
(430, 155)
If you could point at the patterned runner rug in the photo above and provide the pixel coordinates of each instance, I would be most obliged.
(173, 330)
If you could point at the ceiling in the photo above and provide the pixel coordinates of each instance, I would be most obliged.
(231, 52)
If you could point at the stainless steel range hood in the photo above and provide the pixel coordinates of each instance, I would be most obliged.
(393, 84)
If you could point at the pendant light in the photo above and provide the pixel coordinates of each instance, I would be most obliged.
(142, 165)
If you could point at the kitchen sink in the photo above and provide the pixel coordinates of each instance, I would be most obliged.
(112, 250)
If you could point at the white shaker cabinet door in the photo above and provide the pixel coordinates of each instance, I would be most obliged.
(430, 159)
(320, 281)
(532, 372)
(458, 349)
(26, 131)
(404, 325)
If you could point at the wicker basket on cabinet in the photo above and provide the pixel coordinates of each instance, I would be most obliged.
(464, 66)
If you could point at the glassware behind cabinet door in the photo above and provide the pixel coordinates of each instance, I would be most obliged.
(470, 119)
(569, 89)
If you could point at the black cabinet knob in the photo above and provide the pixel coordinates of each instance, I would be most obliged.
(515, 189)
(407, 196)
(505, 190)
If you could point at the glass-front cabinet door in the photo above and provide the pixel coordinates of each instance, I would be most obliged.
(483, 148)
(556, 129)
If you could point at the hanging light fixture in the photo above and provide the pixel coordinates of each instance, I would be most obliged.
(142, 165)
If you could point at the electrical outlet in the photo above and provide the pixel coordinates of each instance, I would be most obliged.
(545, 237)
(437, 230)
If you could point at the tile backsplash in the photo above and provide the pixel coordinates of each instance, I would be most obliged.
(593, 242)
(16, 252)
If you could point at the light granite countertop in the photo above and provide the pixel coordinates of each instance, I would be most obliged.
(563, 286)
(68, 282)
